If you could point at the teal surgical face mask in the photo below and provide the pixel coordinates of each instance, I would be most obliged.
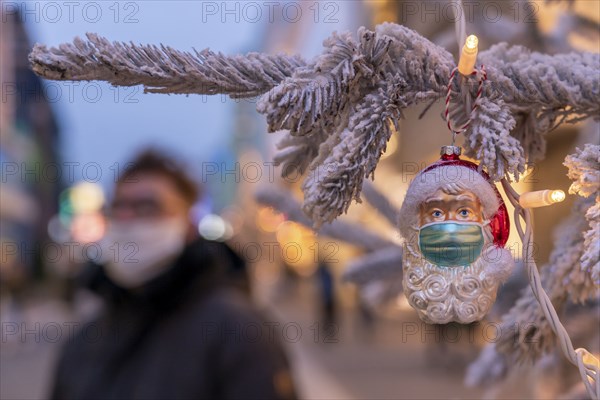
(451, 243)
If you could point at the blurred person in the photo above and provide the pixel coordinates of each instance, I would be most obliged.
(327, 303)
(173, 326)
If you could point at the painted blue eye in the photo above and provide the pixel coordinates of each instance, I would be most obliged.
(437, 213)
(464, 213)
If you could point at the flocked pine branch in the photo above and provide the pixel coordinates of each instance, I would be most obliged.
(584, 169)
(542, 91)
(562, 85)
(353, 155)
(379, 271)
(354, 234)
(382, 265)
(163, 69)
(296, 153)
(553, 373)
(490, 141)
(325, 103)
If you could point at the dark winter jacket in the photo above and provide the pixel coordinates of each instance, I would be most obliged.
(185, 335)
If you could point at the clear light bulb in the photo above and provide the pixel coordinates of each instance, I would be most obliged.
(468, 56)
(557, 196)
(541, 198)
(471, 42)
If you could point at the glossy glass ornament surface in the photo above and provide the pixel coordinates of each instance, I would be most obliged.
(500, 223)
(455, 225)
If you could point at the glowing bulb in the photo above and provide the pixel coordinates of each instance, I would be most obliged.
(557, 196)
(468, 56)
(472, 42)
(541, 198)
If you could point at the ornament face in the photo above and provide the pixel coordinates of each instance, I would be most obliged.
(454, 224)
(451, 231)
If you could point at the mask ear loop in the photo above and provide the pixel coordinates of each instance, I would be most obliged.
(590, 373)
(487, 233)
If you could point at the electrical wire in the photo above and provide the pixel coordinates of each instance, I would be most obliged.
(589, 373)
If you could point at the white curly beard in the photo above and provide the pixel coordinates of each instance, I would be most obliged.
(461, 294)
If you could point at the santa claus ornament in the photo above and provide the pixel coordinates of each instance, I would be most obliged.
(455, 226)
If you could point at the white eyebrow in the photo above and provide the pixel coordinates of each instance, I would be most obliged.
(430, 199)
(464, 196)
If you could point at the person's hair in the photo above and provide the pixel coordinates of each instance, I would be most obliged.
(152, 161)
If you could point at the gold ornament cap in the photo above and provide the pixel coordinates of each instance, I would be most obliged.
(450, 151)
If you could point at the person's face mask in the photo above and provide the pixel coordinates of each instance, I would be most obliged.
(137, 251)
(451, 243)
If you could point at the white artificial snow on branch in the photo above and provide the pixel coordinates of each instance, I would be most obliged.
(337, 109)
(163, 69)
(584, 169)
(490, 141)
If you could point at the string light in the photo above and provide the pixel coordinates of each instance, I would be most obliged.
(541, 198)
(468, 57)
